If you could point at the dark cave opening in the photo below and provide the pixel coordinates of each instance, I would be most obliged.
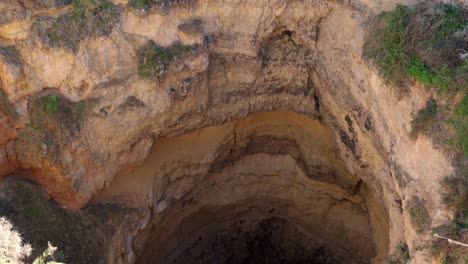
(250, 241)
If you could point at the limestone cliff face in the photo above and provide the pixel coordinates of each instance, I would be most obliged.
(197, 136)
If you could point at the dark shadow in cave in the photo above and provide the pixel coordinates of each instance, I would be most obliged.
(250, 241)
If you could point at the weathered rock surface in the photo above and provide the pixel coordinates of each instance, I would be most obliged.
(332, 156)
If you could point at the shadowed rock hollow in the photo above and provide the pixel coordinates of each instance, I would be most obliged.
(271, 183)
(217, 131)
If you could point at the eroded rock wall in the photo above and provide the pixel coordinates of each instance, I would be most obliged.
(246, 57)
(280, 162)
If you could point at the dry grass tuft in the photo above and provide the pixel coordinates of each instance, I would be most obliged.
(12, 247)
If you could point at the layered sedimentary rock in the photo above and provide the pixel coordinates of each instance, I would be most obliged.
(271, 119)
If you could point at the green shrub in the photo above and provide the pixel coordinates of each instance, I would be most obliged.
(52, 121)
(443, 80)
(459, 121)
(87, 18)
(154, 59)
(451, 18)
(68, 112)
(422, 42)
(386, 46)
(50, 104)
(419, 71)
(446, 260)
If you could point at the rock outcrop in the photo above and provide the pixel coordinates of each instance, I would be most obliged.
(205, 115)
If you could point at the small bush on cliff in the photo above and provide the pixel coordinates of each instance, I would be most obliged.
(53, 122)
(419, 215)
(386, 46)
(61, 110)
(154, 60)
(459, 121)
(87, 18)
(455, 194)
(450, 253)
(427, 43)
(50, 104)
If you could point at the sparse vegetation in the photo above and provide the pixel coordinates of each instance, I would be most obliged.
(418, 215)
(401, 255)
(154, 59)
(41, 221)
(450, 253)
(459, 121)
(48, 256)
(387, 43)
(88, 18)
(50, 104)
(53, 120)
(425, 43)
(424, 117)
(455, 196)
(52, 233)
(132, 101)
(59, 109)
(144, 4)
